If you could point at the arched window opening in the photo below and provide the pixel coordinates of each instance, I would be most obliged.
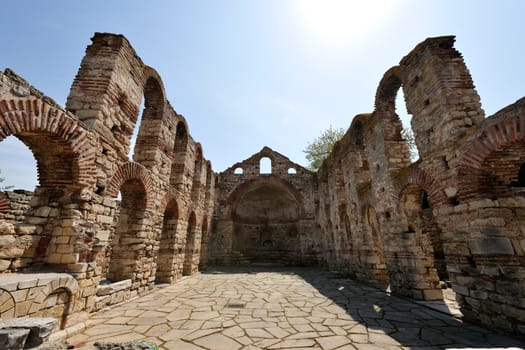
(425, 204)
(57, 305)
(123, 258)
(197, 175)
(292, 171)
(149, 125)
(420, 219)
(204, 243)
(179, 154)
(358, 134)
(133, 141)
(19, 167)
(189, 266)
(406, 133)
(375, 242)
(208, 181)
(521, 177)
(238, 171)
(167, 253)
(265, 165)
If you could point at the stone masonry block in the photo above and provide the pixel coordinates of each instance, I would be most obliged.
(13, 338)
(40, 328)
(491, 246)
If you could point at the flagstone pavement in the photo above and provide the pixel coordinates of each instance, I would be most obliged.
(277, 308)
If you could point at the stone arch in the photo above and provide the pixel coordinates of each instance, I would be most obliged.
(249, 185)
(417, 176)
(197, 173)
(264, 215)
(152, 119)
(166, 261)
(4, 203)
(130, 246)
(372, 252)
(205, 233)
(189, 265)
(490, 164)
(386, 92)
(422, 225)
(47, 130)
(56, 299)
(7, 305)
(180, 152)
(131, 171)
(209, 174)
(169, 197)
(395, 146)
(356, 131)
(265, 165)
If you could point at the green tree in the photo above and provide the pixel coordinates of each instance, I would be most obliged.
(4, 188)
(317, 150)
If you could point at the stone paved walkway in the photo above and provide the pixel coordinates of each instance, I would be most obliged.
(233, 309)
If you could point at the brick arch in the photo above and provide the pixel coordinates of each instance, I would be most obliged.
(357, 131)
(4, 203)
(152, 120)
(180, 152)
(191, 211)
(273, 180)
(8, 305)
(485, 168)
(67, 283)
(386, 92)
(396, 147)
(502, 132)
(170, 196)
(131, 171)
(38, 124)
(423, 179)
(153, 85)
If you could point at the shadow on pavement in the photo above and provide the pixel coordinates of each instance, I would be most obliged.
(390, 317)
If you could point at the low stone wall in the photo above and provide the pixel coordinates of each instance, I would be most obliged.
(112, 293)
(16, 238)
(27, 333)
(38, 295)
(18, 205)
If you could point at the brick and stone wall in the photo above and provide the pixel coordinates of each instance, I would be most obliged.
(452, 216)
(107, 222)
(264, 217)
(97, 214)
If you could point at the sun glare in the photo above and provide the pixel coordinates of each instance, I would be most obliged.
(340, 22)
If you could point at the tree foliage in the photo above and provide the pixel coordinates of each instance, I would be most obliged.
(4, 188)
(317, 150)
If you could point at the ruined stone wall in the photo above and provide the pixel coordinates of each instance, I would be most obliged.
(453, 216)
(264, 217)
(117, 220)
(16, 238)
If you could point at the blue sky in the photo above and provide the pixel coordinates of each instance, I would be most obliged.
(254, 73)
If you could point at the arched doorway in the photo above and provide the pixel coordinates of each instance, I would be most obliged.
(166, 257)
(126, 246)
(372, 253)
(189, 265)
(420, 219)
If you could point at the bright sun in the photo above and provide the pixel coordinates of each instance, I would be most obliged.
(338, 22)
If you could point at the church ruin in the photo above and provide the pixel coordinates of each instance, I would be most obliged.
(100, 228)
